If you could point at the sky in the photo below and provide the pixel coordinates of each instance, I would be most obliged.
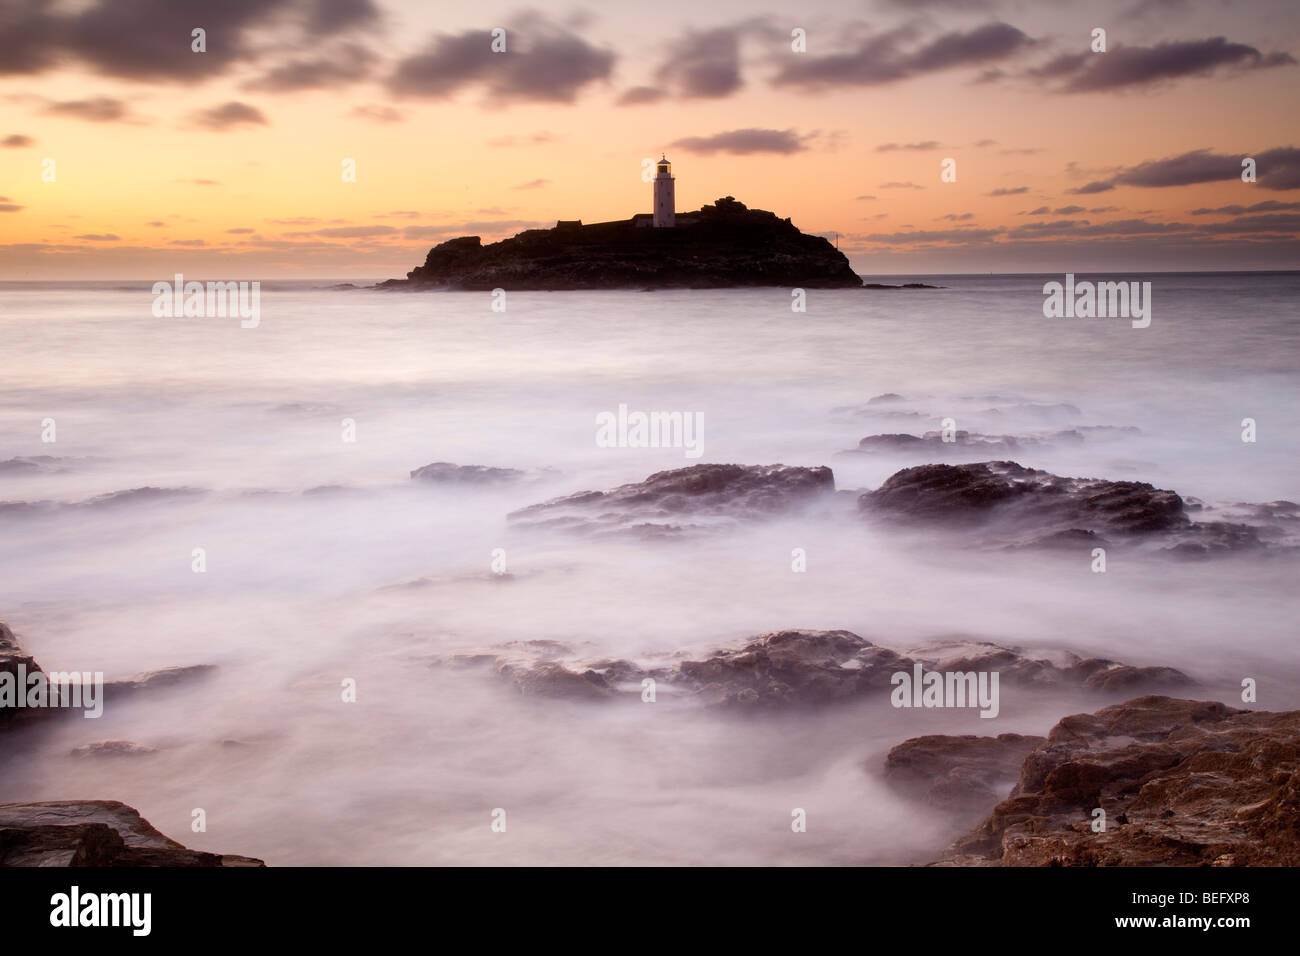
(127, 153)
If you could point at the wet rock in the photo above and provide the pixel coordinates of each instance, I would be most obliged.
(446, 473)
(13, 659)
(670, 502)
(797, 668)
(93, 833)
(1010, 505)
(963, 774)
(1182, 782)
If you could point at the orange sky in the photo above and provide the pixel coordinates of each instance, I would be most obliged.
(146, 185)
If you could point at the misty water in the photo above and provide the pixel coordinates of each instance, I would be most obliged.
(325, 561)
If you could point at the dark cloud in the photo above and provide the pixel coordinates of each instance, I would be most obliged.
(1276, 169)
(1012, 191)
(347, 63)
(345, 232)
(1269, 205)
(240, 232)
(9, 206)
(639, 95)
(1284, 223)
(955, 217)
(328, 17)
(882, 58)
(98, 237)
(909, 147)
(16, 141)
(491, 226)
(703, 64)
(743, 142)
(1093, 187)
(1040, 211)
(544, 62)
(189, 242)
(230, 114)
(101, 109)
(931, 235)
(986, 142)
(1067, 210)
(1136, 66)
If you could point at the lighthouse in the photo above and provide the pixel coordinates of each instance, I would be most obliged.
(665, 206)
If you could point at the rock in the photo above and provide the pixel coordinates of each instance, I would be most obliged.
(964, 774)
(12, 659)
(800, 668)
(444, 472)
(1011, 504)
(720, 246)
(669, 502)
(112, 748)
(93, 833)
(1182, 782)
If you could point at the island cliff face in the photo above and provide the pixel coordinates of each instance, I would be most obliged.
(721, 246)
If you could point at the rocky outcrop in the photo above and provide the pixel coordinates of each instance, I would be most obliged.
(693, 498)
(799, 668)
(720, 246)
(1011, 504)
(93, 833)
(446, 473)
(962, 775)
(966, 445)
(1181, 782)
(16, 662)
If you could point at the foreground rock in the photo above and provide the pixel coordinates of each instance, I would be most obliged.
(1009, 504)
(720, 246)
(1182, 782)
(93, 833)
(964, 775)
(799, 668)
(966, 445)
(698, 497)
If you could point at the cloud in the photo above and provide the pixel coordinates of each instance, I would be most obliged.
(16, 141)
(379, 114)
(230, 114)
(543, 62)
(1093, 187)
(896, 185)
(1067, 210)
(100, 109)
(533, 184)
(1276, 169)
(1269, 205)
(98, 237)
(157, 224)
(240, 232)
(346, 63)
(1012, 191)
(189, 242)
(9, 206)
(328, 17)
(345, 232)
(398, 214)
(703, 64)
(954, 217)
(932, 235)
(199, 182)
(882, 59)
(909, 147)
(640, 95)
(864, 197)
(1137, 66)
(743, 142)
(491, 227)
(986, 142)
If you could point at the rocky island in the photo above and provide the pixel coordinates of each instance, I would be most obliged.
(723, 245)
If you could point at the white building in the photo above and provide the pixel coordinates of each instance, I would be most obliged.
(665, 205)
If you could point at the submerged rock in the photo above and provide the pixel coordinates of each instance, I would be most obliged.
(93, 833)
(1182, 783)
(444, 472)
(669, 502)
(801, 668)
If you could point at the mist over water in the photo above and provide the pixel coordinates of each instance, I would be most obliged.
(326, 561)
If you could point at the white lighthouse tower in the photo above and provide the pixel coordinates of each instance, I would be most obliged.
(665, 205)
